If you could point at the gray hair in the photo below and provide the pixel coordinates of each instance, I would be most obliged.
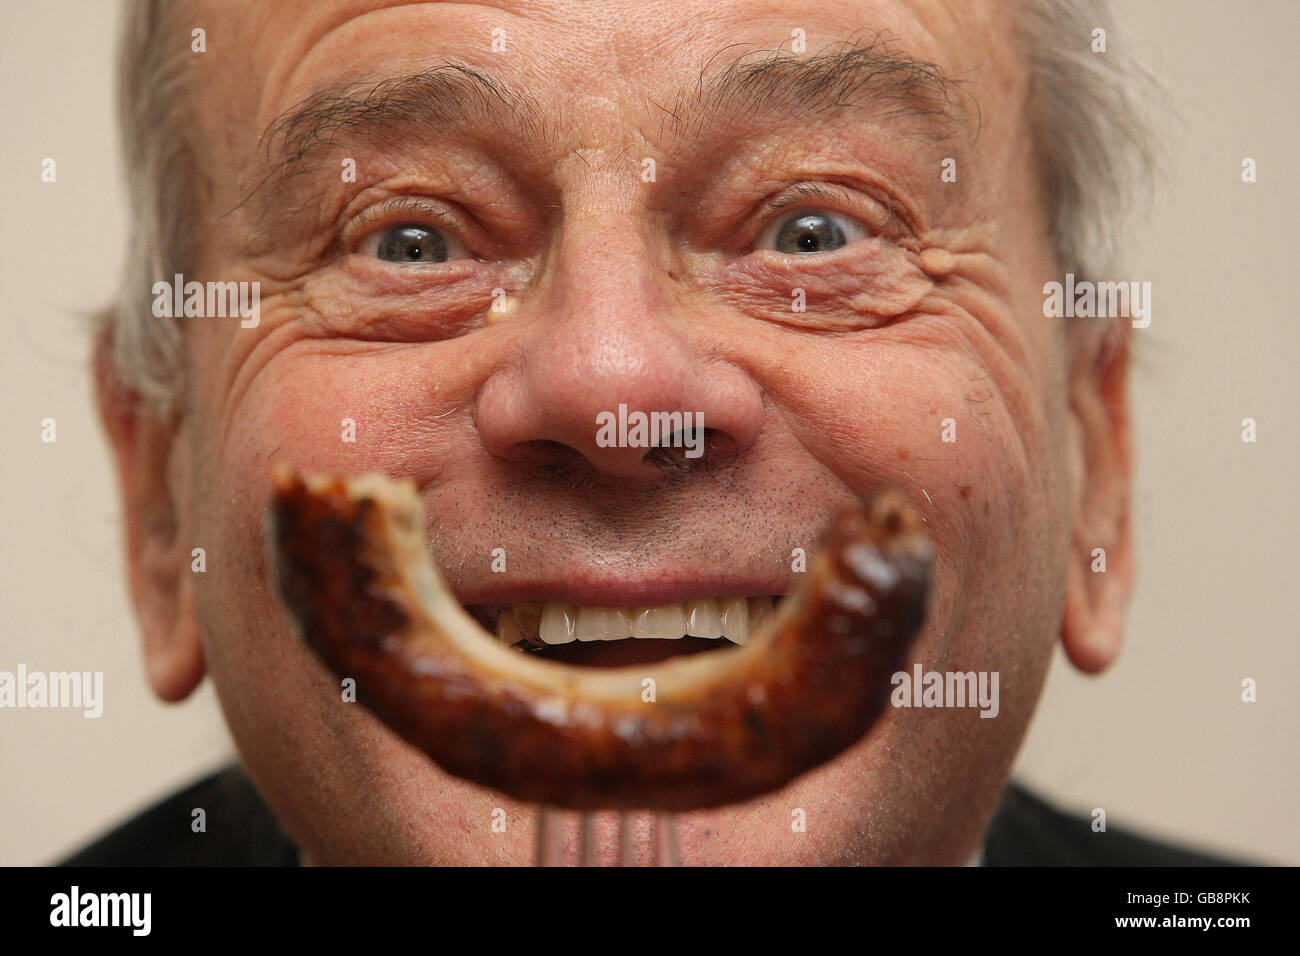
(1086, 111)
(161, 178)
(1090, 116)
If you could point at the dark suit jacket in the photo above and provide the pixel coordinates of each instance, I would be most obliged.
(242, 832)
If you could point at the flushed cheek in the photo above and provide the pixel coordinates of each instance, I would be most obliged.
(930, 418)
(341, 406)
(357, 307)
(885, 409)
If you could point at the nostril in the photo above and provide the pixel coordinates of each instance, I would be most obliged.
(678, 452)
(721, 449)
(540, 452)
(544, 449)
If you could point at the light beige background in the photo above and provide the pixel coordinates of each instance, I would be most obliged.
(1162, 742)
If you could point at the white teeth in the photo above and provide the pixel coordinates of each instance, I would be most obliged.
(666, 621)
(559, 622)
(703, 619)
(735, 619)
(558, 625)
(602, 624)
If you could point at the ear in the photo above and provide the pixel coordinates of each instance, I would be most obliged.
(1100, 454)
(149, 452)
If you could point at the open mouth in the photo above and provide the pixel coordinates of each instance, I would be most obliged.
(617, 636)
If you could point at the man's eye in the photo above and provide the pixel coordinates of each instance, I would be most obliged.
(809, 231)
(412, 244)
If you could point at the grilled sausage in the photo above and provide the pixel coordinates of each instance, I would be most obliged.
(722, 727)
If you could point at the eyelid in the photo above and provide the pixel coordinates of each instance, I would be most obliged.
(874, 215)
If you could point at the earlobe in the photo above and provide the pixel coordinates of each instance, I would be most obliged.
(1092, 629)
(162, 585)
(174, 656)
(146, 450)
(1100, 577)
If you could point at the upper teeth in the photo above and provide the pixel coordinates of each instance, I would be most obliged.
(557, 622)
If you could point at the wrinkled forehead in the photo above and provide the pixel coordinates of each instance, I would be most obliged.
(589, 67)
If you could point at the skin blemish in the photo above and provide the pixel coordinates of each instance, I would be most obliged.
(502, 308)
(937, 263)
(964, 491)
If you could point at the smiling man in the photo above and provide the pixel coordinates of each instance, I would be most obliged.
(475, 230)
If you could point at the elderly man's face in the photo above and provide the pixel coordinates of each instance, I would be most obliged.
(678, 220)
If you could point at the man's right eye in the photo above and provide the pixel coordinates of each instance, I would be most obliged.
(411, 244)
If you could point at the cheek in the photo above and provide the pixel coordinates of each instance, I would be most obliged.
(931, 419)
(940, 415)
(323, 764)
(955, 429)
(346, 407)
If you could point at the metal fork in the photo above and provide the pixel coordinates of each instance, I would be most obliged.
(550, 838)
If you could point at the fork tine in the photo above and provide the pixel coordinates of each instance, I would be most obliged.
(626, 845)
(550, 839)
(666, 853)
(588, 839)
(550, 836)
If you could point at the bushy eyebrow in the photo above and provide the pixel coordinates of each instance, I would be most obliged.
(443, 98)
(870, 76)
(447, 94)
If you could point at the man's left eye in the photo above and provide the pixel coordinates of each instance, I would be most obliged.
(412, 244)
(811, 231)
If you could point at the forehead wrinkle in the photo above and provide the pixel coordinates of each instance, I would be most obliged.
(381, 112)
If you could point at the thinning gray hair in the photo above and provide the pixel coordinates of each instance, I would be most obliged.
(1090, 117)
(1087, 113)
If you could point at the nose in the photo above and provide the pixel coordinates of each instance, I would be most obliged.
(607, 365)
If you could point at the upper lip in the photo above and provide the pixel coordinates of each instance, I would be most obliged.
(600, 588)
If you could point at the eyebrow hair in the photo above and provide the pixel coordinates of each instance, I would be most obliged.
(380, 110)
(446, 93)
(847, 76)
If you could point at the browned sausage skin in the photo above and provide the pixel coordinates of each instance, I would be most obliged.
(723, 727)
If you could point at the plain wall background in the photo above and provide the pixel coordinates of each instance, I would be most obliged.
(1162, 742)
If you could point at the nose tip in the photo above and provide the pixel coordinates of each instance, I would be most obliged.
(631, 441)
(628, 403)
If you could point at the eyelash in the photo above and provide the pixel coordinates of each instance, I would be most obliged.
(398, 211)
(815, 194)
